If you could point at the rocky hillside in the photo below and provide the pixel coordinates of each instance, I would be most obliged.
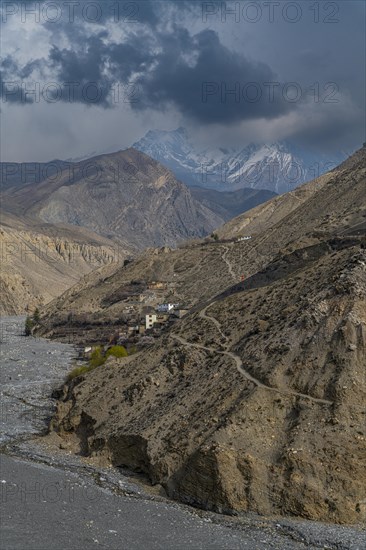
(19, 174)
(332, 202)
(123, 201)
(330, 205)
(40, 263)
(126, 196)
(255, 400)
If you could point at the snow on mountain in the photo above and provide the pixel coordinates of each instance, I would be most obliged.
(278, 167)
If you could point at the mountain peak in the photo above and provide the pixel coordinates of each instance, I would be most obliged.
(277, 166)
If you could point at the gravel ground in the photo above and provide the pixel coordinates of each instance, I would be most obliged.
(58, 501)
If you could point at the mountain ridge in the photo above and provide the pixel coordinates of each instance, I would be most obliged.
(278, 167)
(125, 195)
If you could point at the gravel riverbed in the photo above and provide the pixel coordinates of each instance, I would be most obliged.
(57, 500)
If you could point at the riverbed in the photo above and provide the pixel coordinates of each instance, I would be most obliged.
(58, 500)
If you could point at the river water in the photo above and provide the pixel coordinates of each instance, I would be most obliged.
(30, 368)
(56, 500)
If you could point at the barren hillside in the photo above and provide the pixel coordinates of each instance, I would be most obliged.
(329, 206)
(253, 403)
(39, 263)
(126, 196)
(255, 400)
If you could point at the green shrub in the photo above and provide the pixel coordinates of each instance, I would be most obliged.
(29, 324)
(117, 351)
(97, 358)
(36, 316)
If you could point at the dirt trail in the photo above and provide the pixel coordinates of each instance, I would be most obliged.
(228, 263)
(239, 364)
(203, 315)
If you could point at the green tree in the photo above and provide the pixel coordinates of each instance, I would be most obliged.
(29, 324)
(215, 236)
(117, 351)
(97, 358)
(36, 316)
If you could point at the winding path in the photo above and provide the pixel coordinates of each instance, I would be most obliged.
(203, 315)
(239, 364)
(228, 263)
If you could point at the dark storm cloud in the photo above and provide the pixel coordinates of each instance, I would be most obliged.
(81, 69)
(207, 75)
(11, 77)
(208, 82)
(93, 12)
(198, 75)
(88, 71)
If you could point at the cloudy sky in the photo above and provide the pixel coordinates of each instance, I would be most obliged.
(84, 77)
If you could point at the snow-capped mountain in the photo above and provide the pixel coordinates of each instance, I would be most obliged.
(278, 167)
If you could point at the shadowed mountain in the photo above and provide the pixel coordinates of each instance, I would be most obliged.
(126, 196)
(124, 199)
(228, 204)
(328, 207)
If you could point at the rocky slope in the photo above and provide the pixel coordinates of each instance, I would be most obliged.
(126, 196)
(330, 205)
(334, 202)
(253, 403)
(19, 174)
(256, 399)
(40, 263)
(56, 211)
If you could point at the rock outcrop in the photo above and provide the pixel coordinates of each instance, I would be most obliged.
(37, 266)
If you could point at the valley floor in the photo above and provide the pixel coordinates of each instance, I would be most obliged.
(52, 499)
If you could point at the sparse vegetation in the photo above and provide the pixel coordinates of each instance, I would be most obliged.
(31, 321)
(29, 324)
(97, 357)
(117, 351)
(78, 371)
(36, 316)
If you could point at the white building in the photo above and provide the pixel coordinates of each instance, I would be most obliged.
(150, 320)
(165, 308)
(245, 238)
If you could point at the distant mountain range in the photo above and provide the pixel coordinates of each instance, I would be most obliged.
(278, 167)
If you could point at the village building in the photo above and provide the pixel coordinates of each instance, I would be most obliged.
(162, 318)
(157, 285)
(165, 308)
(244, 238)
(150, 320)
(132, 330)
